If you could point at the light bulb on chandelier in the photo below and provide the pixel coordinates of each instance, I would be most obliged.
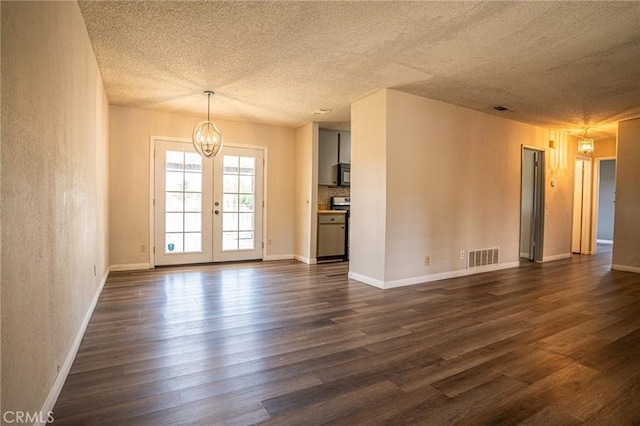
(207, 137)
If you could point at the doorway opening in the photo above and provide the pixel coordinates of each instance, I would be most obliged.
(581, 231)
(532, 204)
(605, 171)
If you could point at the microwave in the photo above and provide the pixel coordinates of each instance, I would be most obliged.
(344, 174)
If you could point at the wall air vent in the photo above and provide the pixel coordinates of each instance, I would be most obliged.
(483, 257)
(501, 108)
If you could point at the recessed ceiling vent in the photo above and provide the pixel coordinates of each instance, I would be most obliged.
(483, 257)
(321, 111)
(501, 108)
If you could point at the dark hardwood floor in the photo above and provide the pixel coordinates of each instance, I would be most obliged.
(286, 343)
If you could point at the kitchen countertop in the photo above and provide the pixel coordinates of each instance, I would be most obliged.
(331, 211)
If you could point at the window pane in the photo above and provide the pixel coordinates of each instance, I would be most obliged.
(230, 203)
(192, 242)
(193, 182)
(173, 243)
(174, 181)
(192, 202)
(175, 160)
(247, 166)
(193, 162)
(246, 222)
(246, 184)
(192, 222)
(173, 222)
(230, 183)
(246, 203)
(230, 164)
(229, 241)
(230, 221)
(174, 202)
(246, 241)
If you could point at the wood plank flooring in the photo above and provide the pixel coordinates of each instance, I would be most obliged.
(285, 343)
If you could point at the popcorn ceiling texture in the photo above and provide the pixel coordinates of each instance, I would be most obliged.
(557, 65)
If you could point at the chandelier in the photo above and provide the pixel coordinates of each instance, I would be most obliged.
(585, 145)
(207, 137)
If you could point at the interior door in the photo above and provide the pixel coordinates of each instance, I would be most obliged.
(238, 204)
(580, 238)
(532, 205)
(182, 204)
(207, 210)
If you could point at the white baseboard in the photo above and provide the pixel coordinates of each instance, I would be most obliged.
(604, 241)
(50, 402)
(307, 260)
(429, 278)
(556, 257)
(525, 255)
(365, 279)
(626, 268)
(130, 267)
(278, 257)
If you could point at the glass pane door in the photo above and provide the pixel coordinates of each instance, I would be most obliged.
(183, 190)
(238, 194)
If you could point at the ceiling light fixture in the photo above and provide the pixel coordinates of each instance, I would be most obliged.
(207, 137)
(585, 145)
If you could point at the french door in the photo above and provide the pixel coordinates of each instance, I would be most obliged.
(207, 210)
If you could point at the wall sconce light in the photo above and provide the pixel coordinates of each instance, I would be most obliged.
(207, 137)
(585, 145)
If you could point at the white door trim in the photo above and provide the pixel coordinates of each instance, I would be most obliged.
(152, 143)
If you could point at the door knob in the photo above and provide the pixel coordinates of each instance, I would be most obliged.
(217, 212)
(216, 204)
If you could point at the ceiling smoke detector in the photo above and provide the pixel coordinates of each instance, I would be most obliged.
(501, 108)
(321, 111)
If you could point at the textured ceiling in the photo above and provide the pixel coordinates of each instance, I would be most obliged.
(559, 65)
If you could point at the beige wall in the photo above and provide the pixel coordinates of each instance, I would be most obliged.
(451, 179)
(604, 148)
(368, 188)
(54, 194)
(558, 217)
(130, 130)
(626, 227)
(306, 192)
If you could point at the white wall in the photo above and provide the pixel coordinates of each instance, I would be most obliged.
(130, 130)
(626, 228)
(306, 192)
(54, 195)
(452, 184)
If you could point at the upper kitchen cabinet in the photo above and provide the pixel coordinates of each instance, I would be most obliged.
(327, 157)
(333, 147)
(344, 147)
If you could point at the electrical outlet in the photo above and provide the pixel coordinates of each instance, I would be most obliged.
(270, 242)
(462, 254)
(143, 248)
(427, 260)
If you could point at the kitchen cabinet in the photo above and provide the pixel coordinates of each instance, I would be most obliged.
(333, 147)
(327, 157)
(344, 148)
(331, 234)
